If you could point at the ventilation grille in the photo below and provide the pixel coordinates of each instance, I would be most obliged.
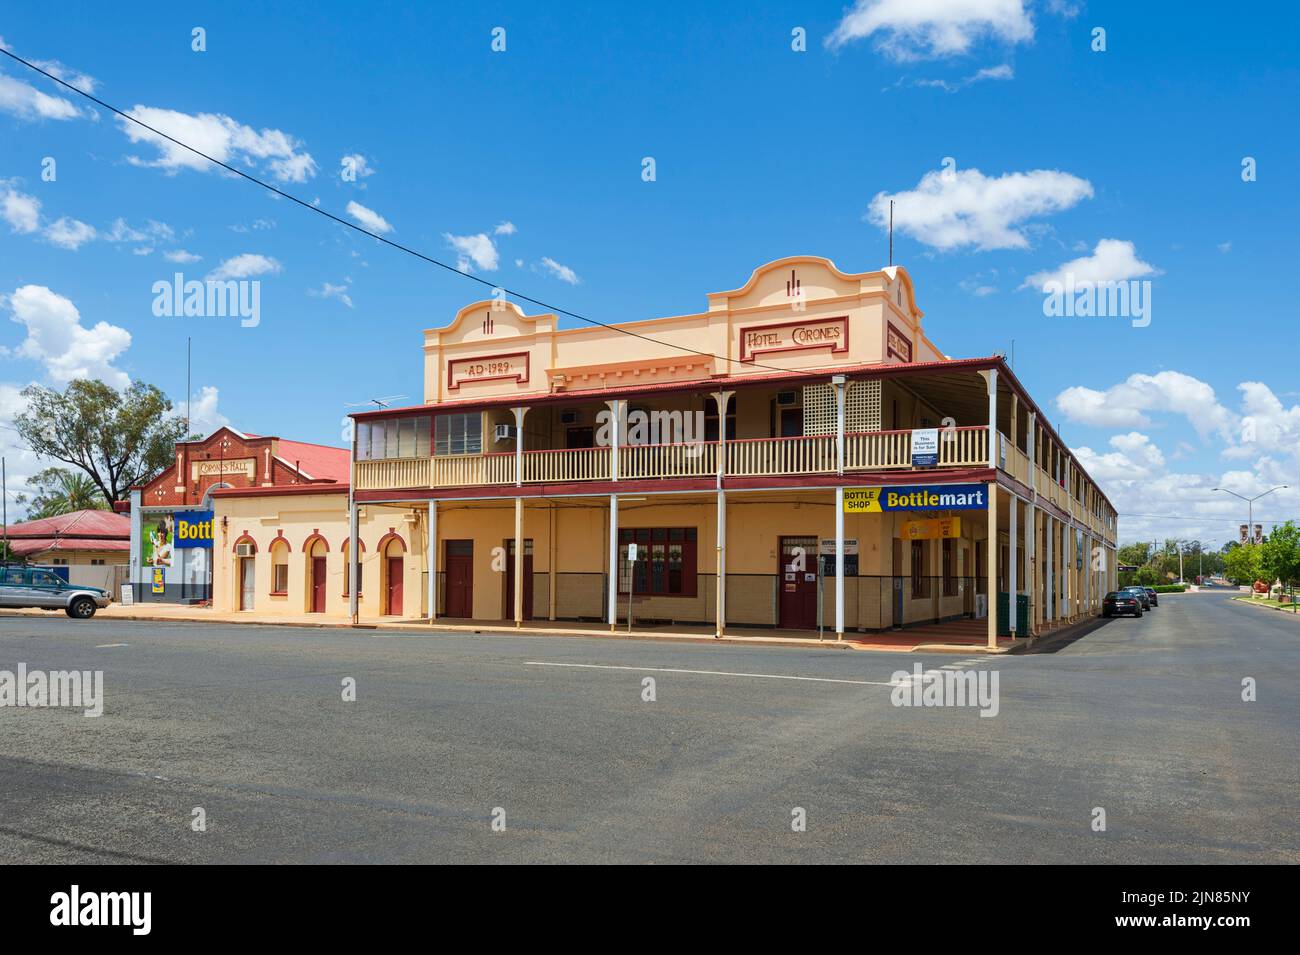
(861, 408)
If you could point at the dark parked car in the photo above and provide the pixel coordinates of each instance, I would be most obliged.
(1155, 597)
(1119, 602)
(1141, 594)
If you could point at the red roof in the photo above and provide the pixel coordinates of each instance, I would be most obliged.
(318, 461)
(27, 546)
(85, 525)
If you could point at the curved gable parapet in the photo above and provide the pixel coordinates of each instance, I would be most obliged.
(816, 277)
(487, 320)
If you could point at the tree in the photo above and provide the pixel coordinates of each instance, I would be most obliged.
(1135, 554)
(1242, 564)
(58, 491)
(117, 438)
(1279, 557)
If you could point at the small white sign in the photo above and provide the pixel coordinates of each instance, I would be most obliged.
(828, 546)
(925, 447)
(631, 553)
(128, 595)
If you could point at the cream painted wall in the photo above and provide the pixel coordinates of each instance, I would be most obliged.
(296, 518)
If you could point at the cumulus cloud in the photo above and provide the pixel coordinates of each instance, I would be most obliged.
(181, 257)
(205, 416)
(21, 211)
(1134, 458)
(58, 341)
(474, 251)
(357, 165)
(368, 218)
(69, 233)
(922, 29)
(1130, 403)
(220, 137)
(245, 266)
(1113, 260)
(561, 272)
(505, 228)
(952, 209)
(27, 102)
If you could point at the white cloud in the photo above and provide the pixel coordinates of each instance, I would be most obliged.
(57, 339)
(29, 103)
(181, 257)
(220, 137)
(561, 272)
(153, 231)
(68, 233)
(1134, 458)
(205, 417)
(1113, 260)
(358, 164)
(1002, 72)
(368, 218)
(478, 249)
(329, 290)
(918, 29)
(505, 228)
(1129, 404)
(951, 209)
(245, 266)
(21, 211)
(1225, 247)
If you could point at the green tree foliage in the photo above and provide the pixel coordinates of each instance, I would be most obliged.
(116, 438)
(1243, 564)
(1279, 557)
(58, 491)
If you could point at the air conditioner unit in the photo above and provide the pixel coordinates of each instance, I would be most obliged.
(787, 397)
(570, 416)
(504, 432)
(244, 550)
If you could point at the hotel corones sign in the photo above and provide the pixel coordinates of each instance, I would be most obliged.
(832, 333)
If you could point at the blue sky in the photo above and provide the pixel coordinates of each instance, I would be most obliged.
(1125, 163)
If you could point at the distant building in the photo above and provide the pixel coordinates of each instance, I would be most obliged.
(87, 545)
(172, 527)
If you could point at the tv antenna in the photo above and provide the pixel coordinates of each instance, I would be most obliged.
(377, 402)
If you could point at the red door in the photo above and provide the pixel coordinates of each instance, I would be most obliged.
(510, 579)
(394, 586)
(797, 580)
(459, 562)
(318, 577)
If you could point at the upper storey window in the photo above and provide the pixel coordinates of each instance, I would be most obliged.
(393, 438)
(458, 434)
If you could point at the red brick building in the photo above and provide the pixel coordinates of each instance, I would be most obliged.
(162, 571)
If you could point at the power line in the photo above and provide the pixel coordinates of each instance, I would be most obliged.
(376, 237)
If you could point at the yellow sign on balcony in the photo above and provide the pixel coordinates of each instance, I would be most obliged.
(935, 528)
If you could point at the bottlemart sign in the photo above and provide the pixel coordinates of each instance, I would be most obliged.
(916, 497)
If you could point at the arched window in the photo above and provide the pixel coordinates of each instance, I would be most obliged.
(279, 566)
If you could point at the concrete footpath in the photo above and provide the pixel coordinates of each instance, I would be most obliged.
(927, 639)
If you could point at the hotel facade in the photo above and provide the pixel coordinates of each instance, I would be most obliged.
(797, 456)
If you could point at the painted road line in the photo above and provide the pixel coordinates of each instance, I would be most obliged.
(105, 646)
(756, 676)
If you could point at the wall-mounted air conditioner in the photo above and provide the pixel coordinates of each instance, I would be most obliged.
(504, 432)
(787, 397)
(570, 416)
(243, 550)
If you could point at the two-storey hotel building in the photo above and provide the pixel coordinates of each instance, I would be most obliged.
(797, 456)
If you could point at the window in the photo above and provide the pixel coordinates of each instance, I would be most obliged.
(13, 575)
(43, 578)
(279, 568)
(920, 581)
(458, 434)
(59, 561)
(949, 579)
(96, 562)
(393, 438)
(665, 561)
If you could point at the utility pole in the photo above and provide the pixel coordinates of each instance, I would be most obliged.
(4, 504)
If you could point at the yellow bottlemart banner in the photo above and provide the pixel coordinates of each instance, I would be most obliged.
(935, 528)
(916, 497)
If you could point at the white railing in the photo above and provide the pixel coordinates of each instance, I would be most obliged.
(696, 459)
(575, 464)
(814, 454)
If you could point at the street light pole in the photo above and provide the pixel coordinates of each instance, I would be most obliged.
(1250, 505)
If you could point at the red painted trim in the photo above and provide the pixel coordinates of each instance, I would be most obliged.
(306, 545)
(244, 539)
(906, 338)
(279, 536)
(453, 385)
(381, 547)
(332, 487)
(836, 347)
(344, 546)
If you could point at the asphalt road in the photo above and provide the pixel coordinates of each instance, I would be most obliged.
(1142, 718)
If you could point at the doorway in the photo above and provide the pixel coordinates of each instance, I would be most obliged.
(458, 559)
(318, 578)
(797, 578)
(247, 582)
(510, 579)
